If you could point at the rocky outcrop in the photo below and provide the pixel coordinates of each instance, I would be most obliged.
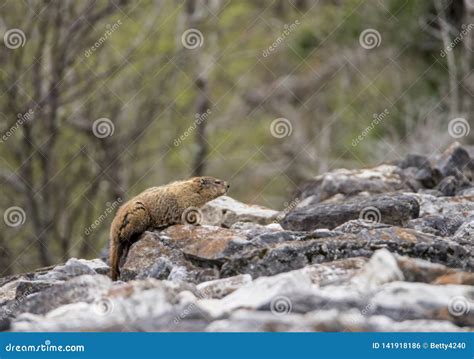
(380, 179)
(382, 249)
(390, 209)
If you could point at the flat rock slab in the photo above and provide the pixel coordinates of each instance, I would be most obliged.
(225, 211)
(380, 179)
(287, 256)
(85, 288)
(394, 209)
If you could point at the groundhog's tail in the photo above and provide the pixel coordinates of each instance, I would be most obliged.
(115, 253)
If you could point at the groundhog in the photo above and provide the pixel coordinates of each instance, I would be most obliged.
(158, 208)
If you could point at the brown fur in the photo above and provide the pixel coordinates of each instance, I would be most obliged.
(158, 207)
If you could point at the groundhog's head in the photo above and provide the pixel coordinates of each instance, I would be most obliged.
(209, 187)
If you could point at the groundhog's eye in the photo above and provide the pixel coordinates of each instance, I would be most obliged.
(218, 181)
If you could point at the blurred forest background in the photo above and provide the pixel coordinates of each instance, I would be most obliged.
(102, 99)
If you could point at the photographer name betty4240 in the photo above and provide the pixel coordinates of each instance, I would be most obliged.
(419, 345)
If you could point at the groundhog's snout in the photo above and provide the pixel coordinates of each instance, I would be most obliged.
(221, 186)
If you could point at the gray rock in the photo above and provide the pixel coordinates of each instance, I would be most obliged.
(405, 300)
(198, 251)
(455, 161)
(27, 287)
(221, 287)
(465, 192)
(225, 211)
(380, 179)
(380, 269)
(448, 186)
(324, 320)
(258, 292)
(149, 257)
(275, 238)
(297, 254)
(251, 321)
(397, 300)
(465, 232)
(447, 206)
(8, 291)
(325, 233)
(73, 268)
(438, 225)
(250, 227)
(178, 274)
(431, 192)
(415, 178)
(419, 270)
(358, 225)
(428, 177)
(84, 288)
(335, 272)
(414, 160)
(131, 306)
(395, 209)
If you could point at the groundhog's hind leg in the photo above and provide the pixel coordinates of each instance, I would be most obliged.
(131, 220)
